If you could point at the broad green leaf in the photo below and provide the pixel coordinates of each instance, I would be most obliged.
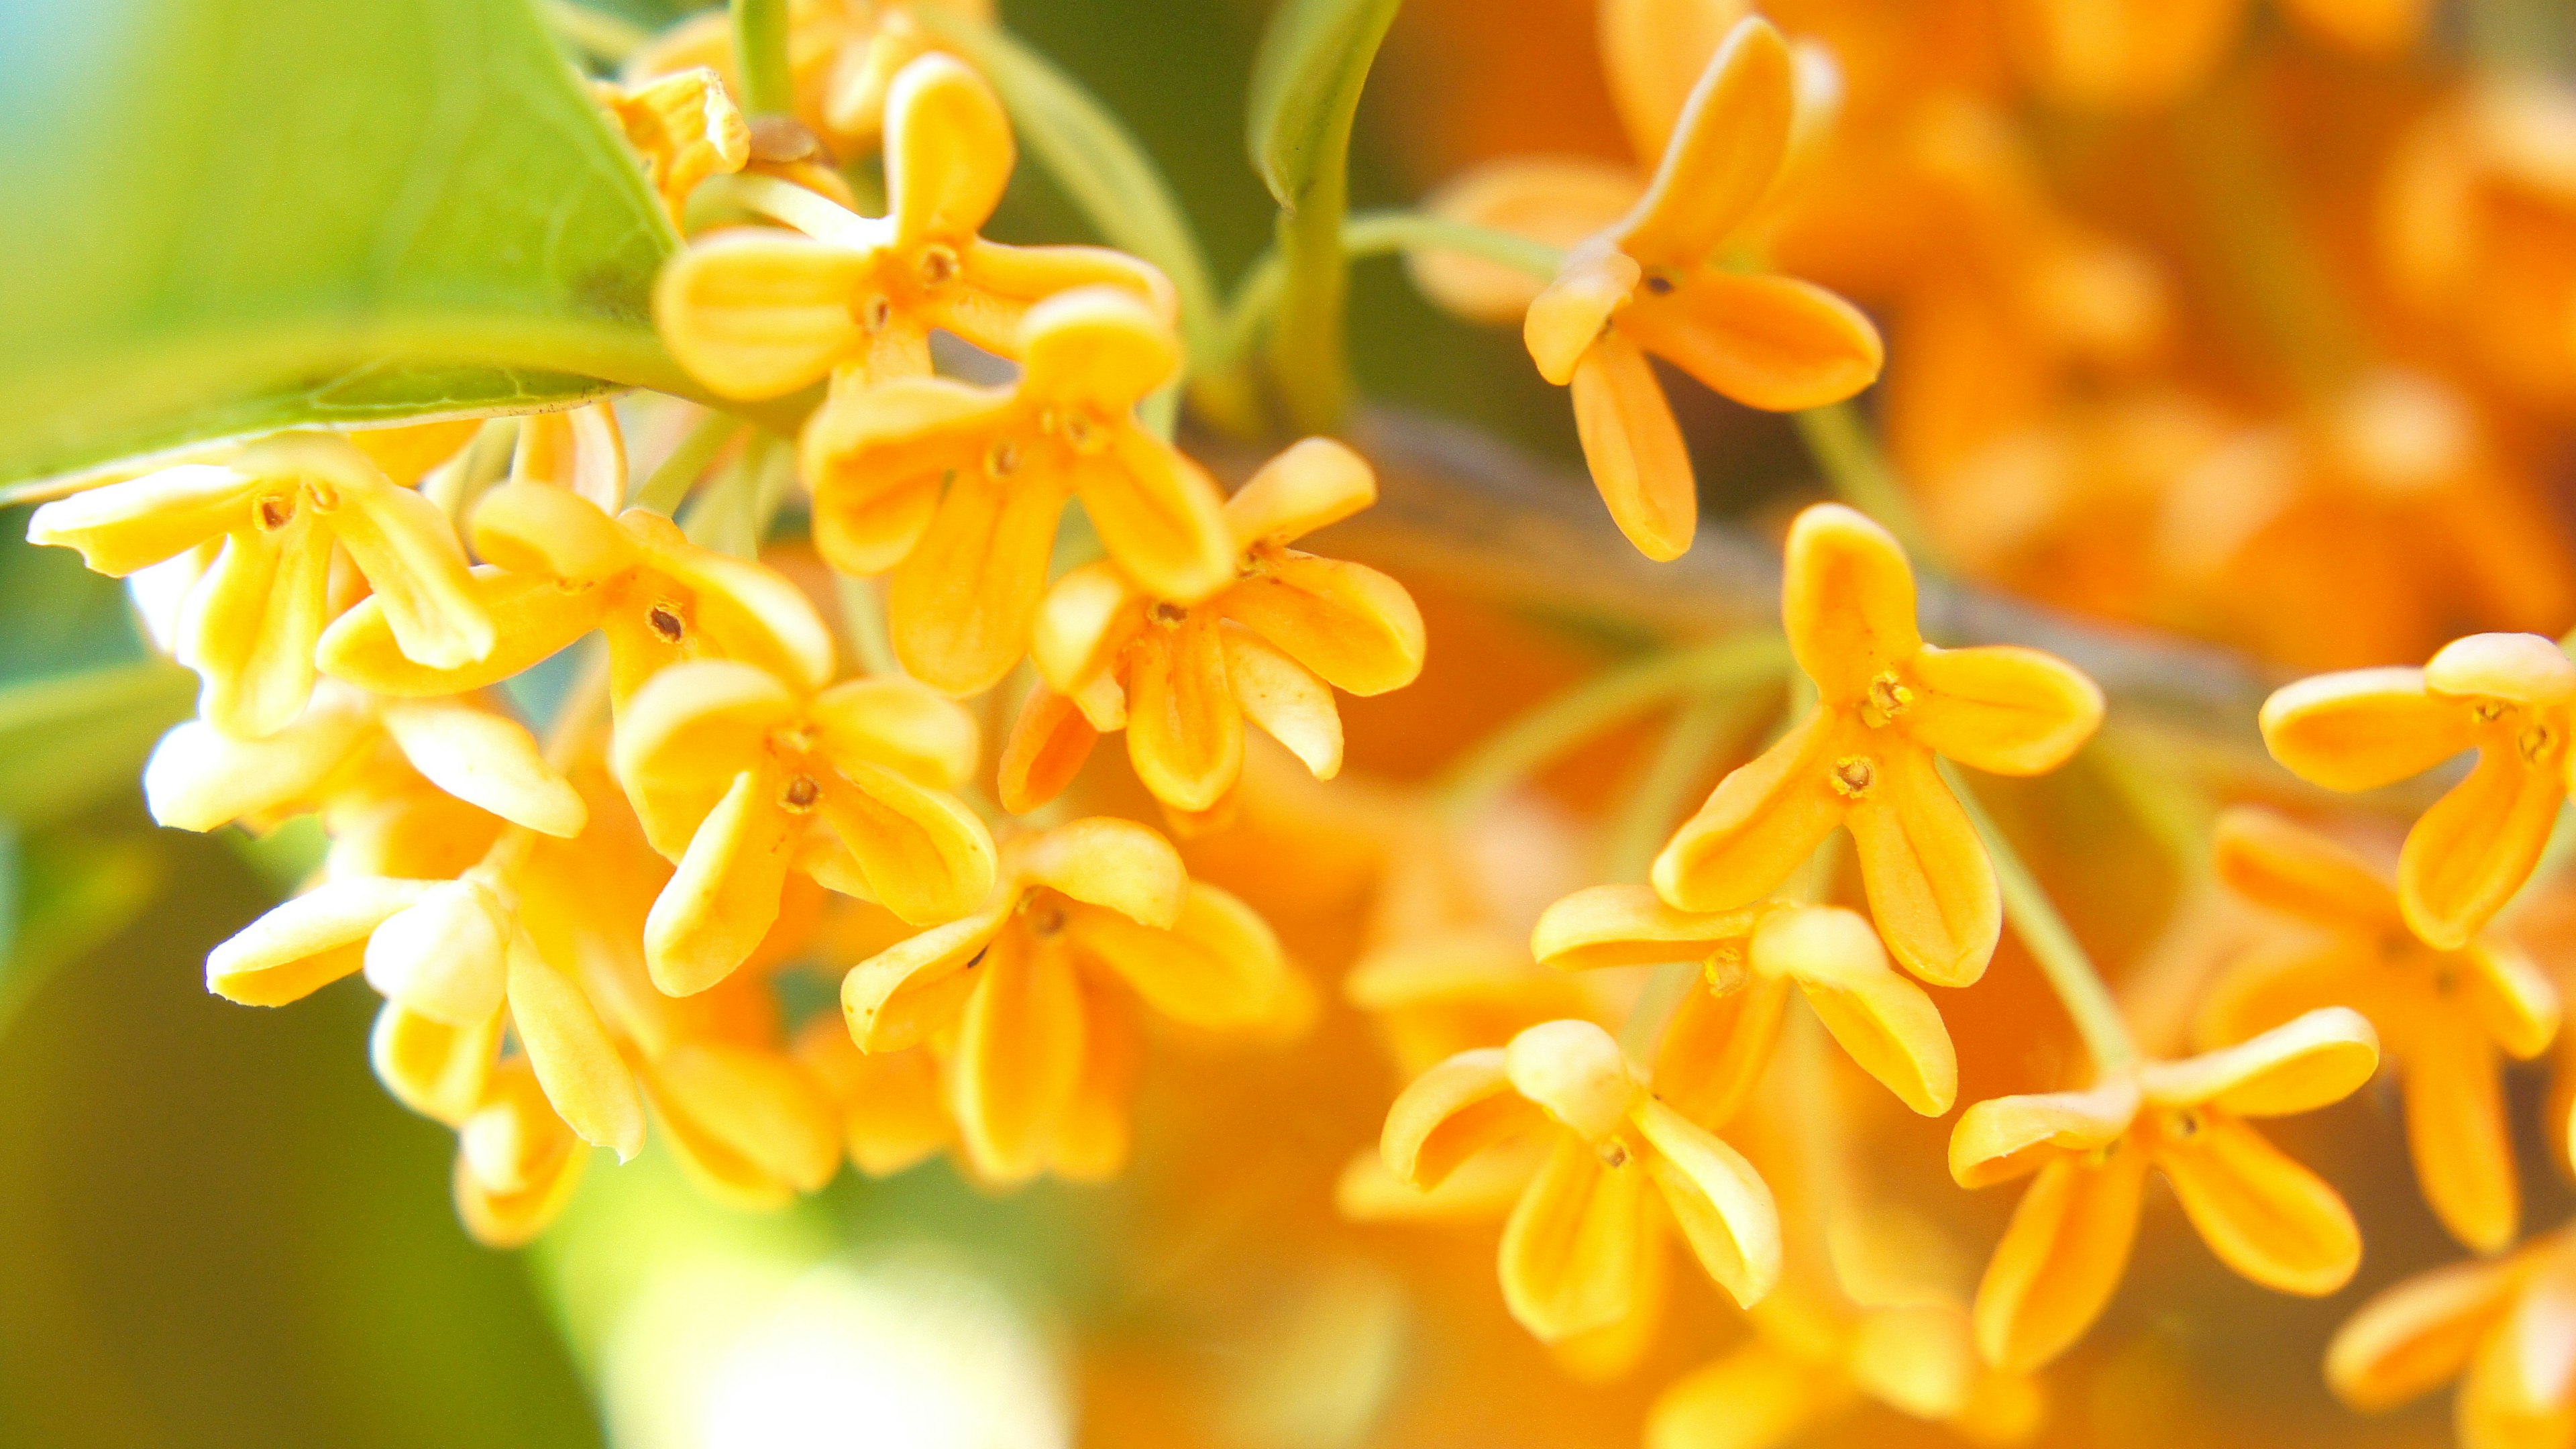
(71, 739)
(1094, 158)
(1305, 89)
(230, 216)
(70, 892)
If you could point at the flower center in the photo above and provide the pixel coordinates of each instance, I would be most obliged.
(876, 313)
(937, 265)
(1660, 282)
(1853, 775)
(664, 621)
(1887, 698)
(2537, 744)
(2184, 1124)
(2488, 711)
(1044, 915)
(1168, 614)
(1002, 459)
(274, 511)
(1614, 1154)
(801, 795)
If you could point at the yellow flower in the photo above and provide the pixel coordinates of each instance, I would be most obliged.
(2262, 1213)
(200, 778)
(283, 508)
(842, 57)
(756, 312)
(517, 1164)
(1030, 1001)
(684, 127)
(2442, 1016)
(1572, 1250)
(957, 489)
(740, 778)
(2507, 696)
(1887, 704)
(1180, 678)
(1655, 282)
(560, 566)
(1721, 1034)
(2504, 1324)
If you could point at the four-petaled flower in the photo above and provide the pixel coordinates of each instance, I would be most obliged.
(755, 312)
(1657, 282)
(2510, 697)
(2263, 1214)
(2499, 1326)
(1029, 1001)
(282, 508)
(1887, 703)
(2442, 1016)
(1721, 1034)
(1180, 678)
(740, 778)
(957, 489)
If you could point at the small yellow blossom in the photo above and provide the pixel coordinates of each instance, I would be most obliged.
(755, 312)
(1722, 1033)
(740, 778)
(1181, 678)
(2443, 1017)
(283, 509)
(1031, 1001)
(2263, 1214)
(2502, 1327)
(684, 127)
(517, 1164)
(842, 57)
(957, 489)
(1571, 1251)
(1887, 704)
(1655, 282)
(2510, 697)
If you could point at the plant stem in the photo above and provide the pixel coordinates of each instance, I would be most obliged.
(1308, 367)
(596, 33)
(669, 484)
(1584, 711)
(863, 619)
(760, 57)
(1698, 731)
(2062, 959)
(1856, 468)
(816, 215)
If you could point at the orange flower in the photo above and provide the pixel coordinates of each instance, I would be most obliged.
(1888, 703)
(1584, 1229)
(284, 509)
(2442, 1015)
(957, 489)
(1029, 1000)
(1721, 1034)
(1654, 282)
(2508, 1325)
(755, 312)
(740, 778)
(685, 129)
(2264, 1215)
(2137, 53)
(2507, 696)
(842, 57)
(1180, 678)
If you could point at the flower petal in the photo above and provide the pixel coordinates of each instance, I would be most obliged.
(2456, 1130)
(891, 1114)
(1846, 601)
(1310, 484)
(1634, 448)
(1048, 743)
(2519, 668)
(685, 736)
(309, 942)
(2468, 854)
(1086, 618)
(434, 1069)
(2276, 862)
(1576, 1073)
(515, 1135)
(1930, 884)
(1285, 698)
(1093, 1136)
(2509, 996)
(579, 450)
(1184, 729)
(2002, 1138)
(1774, 343)
(1483, 1188)
(1760, 1396)
(200, 778)
(445, 955)
(1723, 1206)
(723, 898)
(2363, 728)
(1715, 1046)
(539, 528)
(2002, 709)
(910, 990)
(1450, 1114)
(1157, 514)
(875, 459)
(1116, 864)
(998, 284)
(1096, 347)
(585, 1079)
(1572, 315)
(755, 1107)
(1218, 967)
(2517, 1389)
(1654, 52)
(1570, 1249)
(2266, 988)
(1355, 627)
(2060, 1260)
(2420, 1334)
(126, 527)
(251, 627)
(1759, 825)
(948, 151)
(486, 760)
(1559, 200)
(728, 608)
(754, 313)
(1725, 148)
(532, 618)
(1629, 925)
(2299, 1066)
(962, 601)
(1018, 1060)
(1882, 1020)
(900, 724)
(926, 856)
(2262, 1213)
(403, 545)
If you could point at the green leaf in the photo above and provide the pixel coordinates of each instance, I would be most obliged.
(230, 216)
(1095, 159)
(68, 894)
(71, 739)
(1306, 87)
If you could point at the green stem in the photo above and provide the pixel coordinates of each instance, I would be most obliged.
(1580, 713)
(596, 33)
(812, 213)
(1309, 367)
(2062, 959)
(669, 484)
(1858, 471)
(760, 57)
